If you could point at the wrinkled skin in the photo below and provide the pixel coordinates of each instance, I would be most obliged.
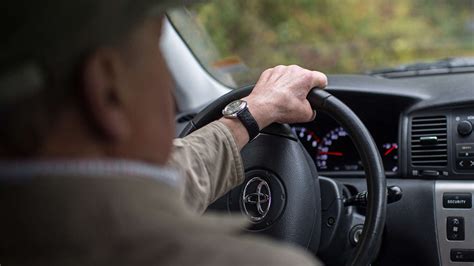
(281, 93)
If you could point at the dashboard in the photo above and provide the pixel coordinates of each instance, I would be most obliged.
(414, 120)
(423, 127)
(331, 147)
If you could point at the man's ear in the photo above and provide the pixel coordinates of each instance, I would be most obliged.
(102, 97)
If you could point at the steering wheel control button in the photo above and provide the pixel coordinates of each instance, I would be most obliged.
(455, 228)
(355, 234)
(331, 221)
(464, 128)
(462, 255)
(457, 200)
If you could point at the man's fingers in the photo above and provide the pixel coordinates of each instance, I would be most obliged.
(284, 90)
(314, 115)
(308, 112)
(266, 75)
(320, 80)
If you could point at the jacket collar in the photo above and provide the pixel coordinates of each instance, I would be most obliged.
(17, 170)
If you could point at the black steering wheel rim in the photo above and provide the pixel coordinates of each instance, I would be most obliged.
(322, 101)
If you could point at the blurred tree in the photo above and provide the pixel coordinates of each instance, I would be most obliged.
(345, 36)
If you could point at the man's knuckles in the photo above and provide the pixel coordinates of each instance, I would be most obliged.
(321, 79)
(308, 79)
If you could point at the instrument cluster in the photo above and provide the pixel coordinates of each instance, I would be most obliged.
(332, 149)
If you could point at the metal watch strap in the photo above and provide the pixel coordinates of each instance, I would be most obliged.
(249, 123)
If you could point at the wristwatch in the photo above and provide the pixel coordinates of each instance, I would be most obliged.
(239, 110)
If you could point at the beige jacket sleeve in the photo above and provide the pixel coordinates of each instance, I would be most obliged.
(211, 162)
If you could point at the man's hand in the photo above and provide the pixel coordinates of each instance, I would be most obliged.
(279, 96)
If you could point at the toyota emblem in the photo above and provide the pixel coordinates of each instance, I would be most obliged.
(256, 199)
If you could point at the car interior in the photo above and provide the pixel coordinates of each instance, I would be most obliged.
(384, 173)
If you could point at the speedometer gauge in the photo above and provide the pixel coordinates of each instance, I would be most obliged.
(390, 156)
(333, 150)
(309, 139)
(337, 152)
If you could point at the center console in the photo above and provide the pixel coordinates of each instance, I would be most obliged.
(455, 222)
(441, 147)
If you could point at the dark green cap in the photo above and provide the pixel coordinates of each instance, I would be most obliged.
(36, 34)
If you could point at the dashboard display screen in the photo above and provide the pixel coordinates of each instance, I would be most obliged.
(332, 149)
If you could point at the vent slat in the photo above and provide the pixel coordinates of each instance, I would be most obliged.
(428, 151)
(432, 119)
(429, 154)
(427, 147)
(440, 141)
(434, 130)
(431, 163)
(432, 125)
(441, 134)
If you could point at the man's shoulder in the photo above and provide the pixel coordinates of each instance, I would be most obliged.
(206, 247)
(219, 240)
(130, 222)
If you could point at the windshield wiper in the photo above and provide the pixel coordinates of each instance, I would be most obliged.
(444, 66)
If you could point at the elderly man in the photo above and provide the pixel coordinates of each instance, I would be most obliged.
(87, 157)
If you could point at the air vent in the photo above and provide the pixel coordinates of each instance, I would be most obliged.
(429, 141)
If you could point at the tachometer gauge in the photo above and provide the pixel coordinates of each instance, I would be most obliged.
(390, 156)
(336, 152)
(309, 139)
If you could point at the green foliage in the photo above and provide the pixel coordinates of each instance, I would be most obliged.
(338, 36)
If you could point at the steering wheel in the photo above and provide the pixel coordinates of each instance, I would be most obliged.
(281, 194)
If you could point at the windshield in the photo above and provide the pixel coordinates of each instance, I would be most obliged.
(236, 40)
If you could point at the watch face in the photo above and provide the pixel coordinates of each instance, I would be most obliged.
(234, 107)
